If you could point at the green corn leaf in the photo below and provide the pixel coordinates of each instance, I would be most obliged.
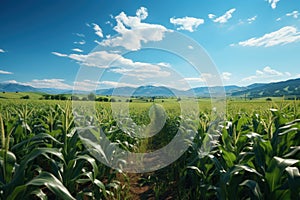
(294, 181)
(53, 184)
(293, 153)
(18, 178)
(9, 163)
(254, 188)
(92, 161)
(275, 171)
(228, 157)
(39, 194)
(37, 138)
(17, 193)
(197, 170)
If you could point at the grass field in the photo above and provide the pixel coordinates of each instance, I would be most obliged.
(255, 150)
(18, 95)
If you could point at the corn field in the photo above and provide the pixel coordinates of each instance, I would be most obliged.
(256, 156)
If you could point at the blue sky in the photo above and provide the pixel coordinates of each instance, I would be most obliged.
(51, 43)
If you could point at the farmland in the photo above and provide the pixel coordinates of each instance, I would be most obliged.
(256, 154)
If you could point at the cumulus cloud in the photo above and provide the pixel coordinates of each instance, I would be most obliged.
(267, 74)
(224, 18)
(293, 14)
(285, 35)
(5, 72)
(187, 23)
(2, 51)
(98, 30)
(119, 64)
(273, 3)
(77, 50)
(133, 31)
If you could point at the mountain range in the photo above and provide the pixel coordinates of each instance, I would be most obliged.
(283, 88)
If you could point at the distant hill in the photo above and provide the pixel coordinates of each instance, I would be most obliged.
(277, 89)
(256, 85)
(12, 87)
(206, 91)
(148, 90)
(283, 88)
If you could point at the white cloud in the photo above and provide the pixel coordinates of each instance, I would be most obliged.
(293, 14)
(278, 19)
(201, 79)
(44, 83)
(285, 35)
(82, 42)
(97, 42)
(226, 76)
(119, 64)
(252, 19)
(13, 82)
(142, 73)
(142, 13)
(77, 50)
(133, 31)
(269, 71)
(194, 79)
(273, 3)
(248, 20)
(267, 74)
(59, 54)
(5, 72)
(80, 35)
(206, 77)
(2, 51)
(100, 59)
(50, 83)
(98, 30)
(288, 73)
(187, 23)
(211, 16)
(224, 18)
(117, 84)
(109, 23)
(190, 47)
(86, 85)
(90, 85)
